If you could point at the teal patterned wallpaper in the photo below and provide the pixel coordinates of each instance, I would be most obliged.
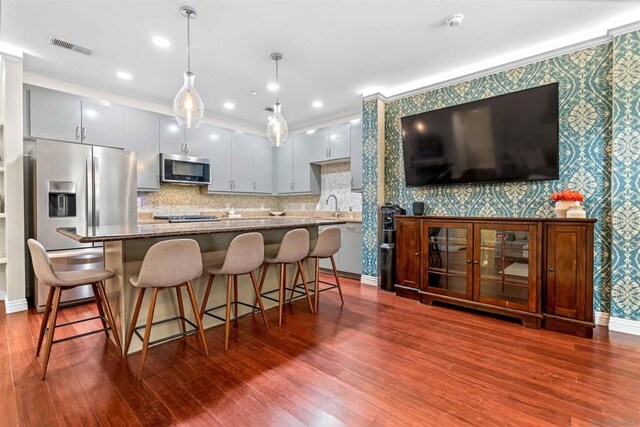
(370, 187)
(625, 289)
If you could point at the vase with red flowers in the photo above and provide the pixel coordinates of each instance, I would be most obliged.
(565, 200)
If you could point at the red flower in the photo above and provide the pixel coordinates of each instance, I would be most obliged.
(568, 196)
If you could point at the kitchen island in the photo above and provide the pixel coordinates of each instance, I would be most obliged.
(125, 248)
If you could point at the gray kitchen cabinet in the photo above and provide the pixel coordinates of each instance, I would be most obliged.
(198, 140)
(219, 154)
(242, 163)
(142, 135)
(262, 165)
(349, 258)
(306, 176)
(284, 169)
(54, 115)
(356, 156)
(339, 141)
(172, 136)
(102, 124)
(316, 144)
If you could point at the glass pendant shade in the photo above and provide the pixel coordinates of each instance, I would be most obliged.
(277, 129)
(187, 105)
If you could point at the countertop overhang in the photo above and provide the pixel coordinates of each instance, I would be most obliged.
(147, 231)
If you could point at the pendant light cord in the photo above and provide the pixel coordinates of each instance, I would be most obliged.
(188, 41)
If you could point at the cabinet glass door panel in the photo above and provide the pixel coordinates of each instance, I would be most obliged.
(505, 270)
(447, 249)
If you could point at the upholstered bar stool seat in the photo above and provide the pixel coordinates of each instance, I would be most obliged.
(167, 264)
(244, 255)
(294, 247)
(327, 245)
(59, 281)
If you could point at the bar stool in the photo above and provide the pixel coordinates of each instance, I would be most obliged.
(167, 264)
(245, 254)
(327, 245)
(62, 281)
(293, 249)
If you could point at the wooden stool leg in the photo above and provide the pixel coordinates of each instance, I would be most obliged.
(235, 300)
(98, 299)
(194, 306)
(147, 331)
(265, 268)
(316, 286)
(259, 300)
(112, 323)
(134, 319)
(228, 314)
(304, 284)
(45, 319)
(294, 287)
(181, 309)
(335, 273)
(205, 301)
(283, 283)
(52, 329)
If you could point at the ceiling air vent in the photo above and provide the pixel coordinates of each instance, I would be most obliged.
(71, 46)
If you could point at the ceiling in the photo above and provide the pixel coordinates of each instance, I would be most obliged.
(333, 50)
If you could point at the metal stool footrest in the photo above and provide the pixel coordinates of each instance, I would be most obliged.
(328, 288)
(84, 334)
(266, 294)
(253, 311)
(160, 322)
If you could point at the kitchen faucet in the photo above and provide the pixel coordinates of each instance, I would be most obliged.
(337, 212)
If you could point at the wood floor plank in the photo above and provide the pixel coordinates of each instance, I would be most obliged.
(377, 360)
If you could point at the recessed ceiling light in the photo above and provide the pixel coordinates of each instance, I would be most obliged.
(214, 137)
(161, 41)
(355, 121)
(254, 92)
(124, 75)
(229, 105)
(454, 20)
(317, 104)
(272, 87)
(311, 131)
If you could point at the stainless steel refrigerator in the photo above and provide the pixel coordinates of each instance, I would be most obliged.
(77, 185)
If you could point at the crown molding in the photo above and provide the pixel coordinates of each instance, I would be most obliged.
(329, 122)
(9, 52)
(482, 70)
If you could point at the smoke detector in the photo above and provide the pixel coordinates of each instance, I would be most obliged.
(454, 20)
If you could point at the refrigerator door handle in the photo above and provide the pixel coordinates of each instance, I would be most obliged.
(89, 203)
(96, 191)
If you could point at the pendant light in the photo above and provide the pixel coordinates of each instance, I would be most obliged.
(277, 129)
(187, 105)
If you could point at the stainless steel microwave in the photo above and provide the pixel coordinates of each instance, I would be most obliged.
(177, 169)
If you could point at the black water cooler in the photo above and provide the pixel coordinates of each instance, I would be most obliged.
(387, 254)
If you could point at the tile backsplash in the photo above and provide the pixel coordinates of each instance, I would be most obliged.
(188, 200)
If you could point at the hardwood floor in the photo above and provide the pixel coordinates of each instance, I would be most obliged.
(380, 360)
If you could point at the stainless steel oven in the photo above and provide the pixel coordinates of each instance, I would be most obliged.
(177, 169)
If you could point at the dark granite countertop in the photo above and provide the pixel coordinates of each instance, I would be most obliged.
(145, 231)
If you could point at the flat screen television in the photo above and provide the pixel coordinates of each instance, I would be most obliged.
(512, 137)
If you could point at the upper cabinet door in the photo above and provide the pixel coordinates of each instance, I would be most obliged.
(172, 136)
(54, 115)
(339, 141)
(242, 163)
(356, 156)
(102, 124)
(198, 141)
(316, 142)
(262, 165)
(284, 170)
(219, 154)
(142, 135)
(306, 177)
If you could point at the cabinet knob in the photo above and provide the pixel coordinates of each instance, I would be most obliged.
(468, 261)
(551, 270)
(476, 262)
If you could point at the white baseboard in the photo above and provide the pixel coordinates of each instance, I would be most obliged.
(624, 325)
(3, 295)
(369, 280)
(601, 318)
(15, 306)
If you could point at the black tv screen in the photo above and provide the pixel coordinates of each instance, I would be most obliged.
(512, 137)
